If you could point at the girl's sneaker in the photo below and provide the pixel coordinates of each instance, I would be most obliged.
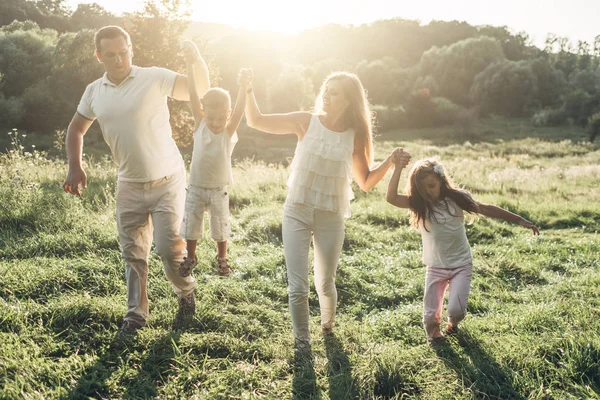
(186, 267)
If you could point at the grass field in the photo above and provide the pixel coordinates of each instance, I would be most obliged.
(533, 324)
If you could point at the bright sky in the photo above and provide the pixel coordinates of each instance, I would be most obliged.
(576, 19)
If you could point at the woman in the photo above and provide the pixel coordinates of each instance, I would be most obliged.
(335, 144)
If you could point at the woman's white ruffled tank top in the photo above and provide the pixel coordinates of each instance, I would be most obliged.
(322, 169)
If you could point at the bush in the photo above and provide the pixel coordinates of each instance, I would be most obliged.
(506, 88)
(580, 105)
(11, 111)
(593, 126)
(549, 117)
(446, 112)
(389, 117)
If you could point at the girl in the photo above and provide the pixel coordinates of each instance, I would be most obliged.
(436, 209)
(334, 144)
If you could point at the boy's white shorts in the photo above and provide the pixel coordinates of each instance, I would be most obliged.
(197, 202)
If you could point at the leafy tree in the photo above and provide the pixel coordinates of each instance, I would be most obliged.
(321, 69)
(291, 91)
(53, 7)
(25, 55)
(377, 76)
(91, 16)
(514, 46)
(579, 105)
(454, 67)
(551, 83)
(505, 88)
(593, 126)
(11, 111)
(156, 32)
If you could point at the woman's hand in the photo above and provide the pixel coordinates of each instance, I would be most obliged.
(399, 157)
(245, 78)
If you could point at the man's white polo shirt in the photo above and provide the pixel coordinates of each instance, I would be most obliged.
(134, 119)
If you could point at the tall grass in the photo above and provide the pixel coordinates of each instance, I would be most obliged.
(532, 329)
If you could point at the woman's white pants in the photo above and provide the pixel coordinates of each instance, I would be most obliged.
(300, 223)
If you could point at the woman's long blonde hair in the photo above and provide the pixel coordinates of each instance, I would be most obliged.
(358, 114)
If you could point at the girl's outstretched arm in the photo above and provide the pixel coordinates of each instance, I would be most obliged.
(492, 211)
(392, 196)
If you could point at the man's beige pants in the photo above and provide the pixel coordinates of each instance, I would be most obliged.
(140, 208)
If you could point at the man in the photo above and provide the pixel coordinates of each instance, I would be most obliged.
(130, 104)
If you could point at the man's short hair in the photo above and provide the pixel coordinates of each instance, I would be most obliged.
(216, 97)
(110, 32)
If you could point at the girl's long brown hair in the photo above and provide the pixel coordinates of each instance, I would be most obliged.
(420, 209)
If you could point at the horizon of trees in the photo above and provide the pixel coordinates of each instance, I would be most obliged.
(416, 75)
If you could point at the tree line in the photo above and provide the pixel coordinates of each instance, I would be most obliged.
(416, 75)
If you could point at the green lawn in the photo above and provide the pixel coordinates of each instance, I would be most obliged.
(532, 331)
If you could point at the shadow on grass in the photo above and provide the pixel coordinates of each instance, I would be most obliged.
(155, 366)
(304, 385)
(486, 378)
(339, 371)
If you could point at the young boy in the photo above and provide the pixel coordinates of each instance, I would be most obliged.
(210, 171)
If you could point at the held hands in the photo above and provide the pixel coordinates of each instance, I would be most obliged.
(76, 177)
(245, 78)
(529, 225)
(190, 51)
(399, 157)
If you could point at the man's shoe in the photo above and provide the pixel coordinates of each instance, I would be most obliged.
(186, 310)
(187, 304)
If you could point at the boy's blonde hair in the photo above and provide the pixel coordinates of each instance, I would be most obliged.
(420, 209)
(216, 98)
(358, 114)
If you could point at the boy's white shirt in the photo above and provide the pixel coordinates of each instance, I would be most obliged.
(445, 244)
(211, 159)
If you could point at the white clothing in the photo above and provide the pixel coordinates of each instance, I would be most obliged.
(197, 202)
(211, 160)
(134, 119)
(300, 223)
(322, 169)
(445, 243)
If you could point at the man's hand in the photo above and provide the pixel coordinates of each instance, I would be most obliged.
(190, 51)
(76, 177)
